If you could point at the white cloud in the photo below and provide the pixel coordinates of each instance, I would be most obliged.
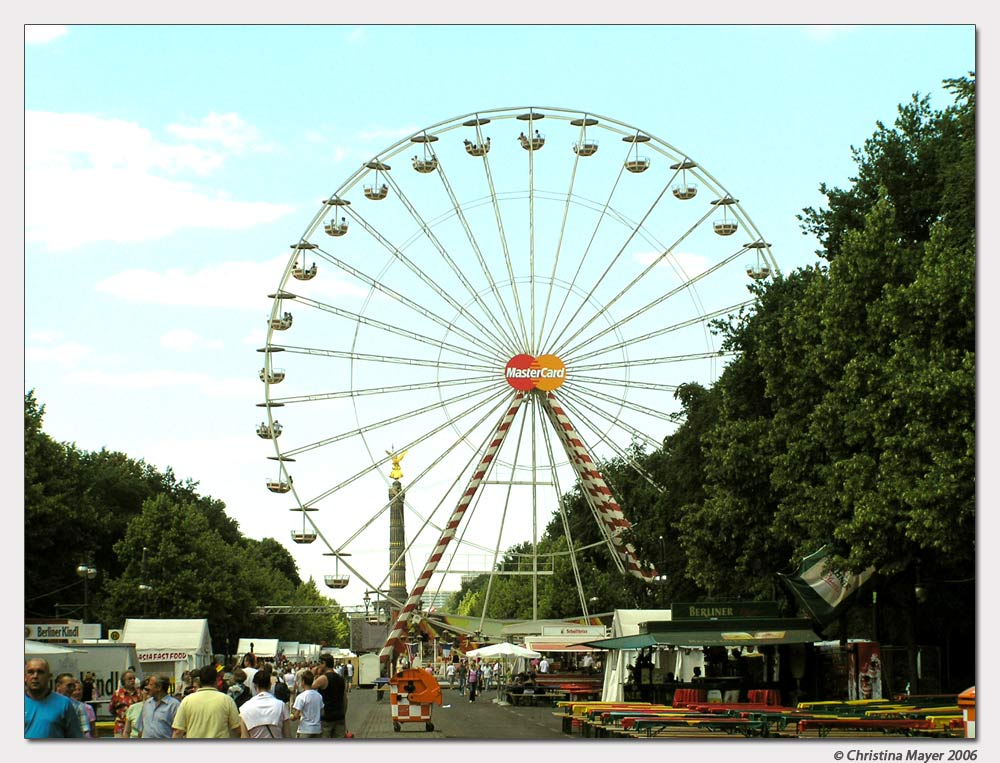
(243, 285)
(126, 186)
(357, 35)
(208, 386)
(315, 136)
(692, 264)
(228, 130)
(45, 336)
(35, 34)
(66, 354)
(185, 340)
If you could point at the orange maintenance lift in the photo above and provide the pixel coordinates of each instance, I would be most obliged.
(412, 692)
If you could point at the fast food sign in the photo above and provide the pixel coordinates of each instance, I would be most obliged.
(526, 372)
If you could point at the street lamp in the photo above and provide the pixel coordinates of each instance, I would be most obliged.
(144, 587)
(661, 579)
(87, 571)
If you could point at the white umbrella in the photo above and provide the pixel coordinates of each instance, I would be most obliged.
(506, 650)
(503, 649)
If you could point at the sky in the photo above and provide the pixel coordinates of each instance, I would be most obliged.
(168, 168)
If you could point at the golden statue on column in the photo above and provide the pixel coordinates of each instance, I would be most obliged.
(396, 472)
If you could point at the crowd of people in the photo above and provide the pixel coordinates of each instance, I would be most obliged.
(474, 676)
(255, 700)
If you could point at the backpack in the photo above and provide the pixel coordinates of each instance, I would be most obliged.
(281, 691)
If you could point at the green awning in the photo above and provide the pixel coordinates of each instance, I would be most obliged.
(735, 632)
(640, 641)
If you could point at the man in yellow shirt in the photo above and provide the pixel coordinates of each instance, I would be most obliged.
(207, 713)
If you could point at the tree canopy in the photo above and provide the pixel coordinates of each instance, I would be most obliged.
(107, 508)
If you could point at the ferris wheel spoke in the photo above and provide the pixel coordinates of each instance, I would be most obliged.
(582, 403)
(392, 359)
(410, 304)
(702, 318)
(606, 211)
(379, 463)
(435, 384)
(635, 229)
(503, 400)
(625, 403)
(503, 521)
(626, 457)
(645, 308)
(559, 243)
(393, 329)
(473, 293)
(411, 266)
(628, 384)
(508, 261)
(439, 404)
(626, 289)
(666, 359)
(494, 289)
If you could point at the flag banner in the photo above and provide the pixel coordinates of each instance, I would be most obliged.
(823, 592)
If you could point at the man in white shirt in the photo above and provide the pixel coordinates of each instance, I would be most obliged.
(264, 716)
(543, 666)
(308, 709)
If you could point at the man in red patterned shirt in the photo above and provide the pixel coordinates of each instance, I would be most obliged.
(121, 699)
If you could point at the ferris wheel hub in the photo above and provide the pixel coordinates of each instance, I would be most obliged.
(526, 372)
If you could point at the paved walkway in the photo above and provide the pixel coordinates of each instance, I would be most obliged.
(368, 718)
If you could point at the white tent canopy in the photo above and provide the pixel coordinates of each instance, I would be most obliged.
(42, 649)
(169, 646)
(262, 647)
(503, 649)
(290, 649)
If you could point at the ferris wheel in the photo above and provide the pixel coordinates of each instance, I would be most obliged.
(508, 299)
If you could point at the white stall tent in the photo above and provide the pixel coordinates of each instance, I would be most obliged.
(169, 647)
(625, 623)
(289, 650)
(263, 648)
(309, 652)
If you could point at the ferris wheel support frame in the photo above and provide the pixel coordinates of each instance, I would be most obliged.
(595, 490)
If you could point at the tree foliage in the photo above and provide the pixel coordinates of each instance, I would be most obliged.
(107, 508)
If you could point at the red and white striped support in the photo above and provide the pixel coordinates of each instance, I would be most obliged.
(394, 641)
(596, 490)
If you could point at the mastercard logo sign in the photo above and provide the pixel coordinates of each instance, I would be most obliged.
(526, 372)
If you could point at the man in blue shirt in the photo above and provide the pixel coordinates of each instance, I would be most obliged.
(46, 714)
(157, 716)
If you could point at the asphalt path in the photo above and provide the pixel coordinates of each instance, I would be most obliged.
(457, 718)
